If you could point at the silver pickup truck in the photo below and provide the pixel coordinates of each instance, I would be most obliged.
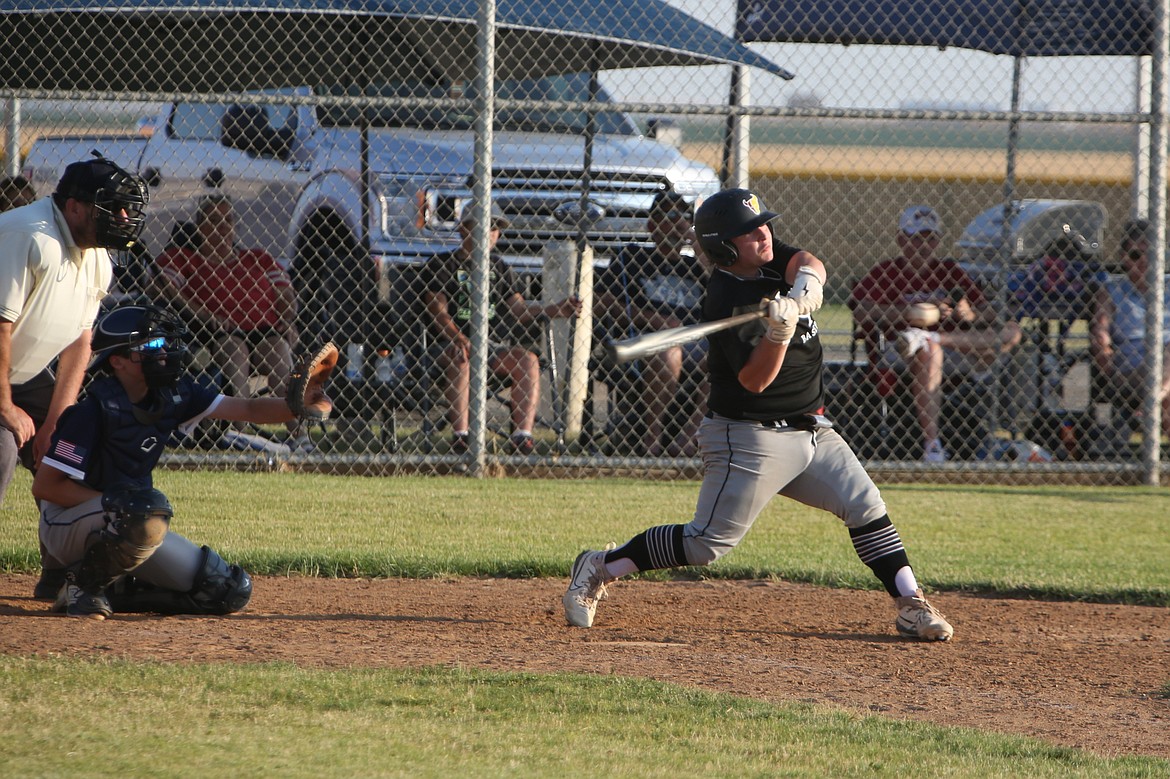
(293, 170)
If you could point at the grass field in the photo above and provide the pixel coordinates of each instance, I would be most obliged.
(63, 716)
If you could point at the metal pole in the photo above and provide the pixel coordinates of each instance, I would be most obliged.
(1005, 249)
(485, 99)
(737, 134)
(1140, 194)
(1152, 416)
(12, 136)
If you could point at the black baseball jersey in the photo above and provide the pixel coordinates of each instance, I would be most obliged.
(106, 442)
(642, 279)
(447, 274)
(798, 388)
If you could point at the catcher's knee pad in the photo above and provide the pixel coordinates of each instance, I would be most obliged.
(138, 519)
(220, 588)
(137, 522)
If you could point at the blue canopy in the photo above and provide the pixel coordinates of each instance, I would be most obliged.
(1030, 28)
(234, 45)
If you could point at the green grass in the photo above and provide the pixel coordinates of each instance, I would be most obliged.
(63, 717)
(69, 717)
(1081, 543)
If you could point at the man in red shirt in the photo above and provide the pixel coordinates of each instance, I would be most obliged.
(962, 341)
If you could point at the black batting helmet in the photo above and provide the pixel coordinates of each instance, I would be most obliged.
(119, 199)
(157, 333)
(726, 215)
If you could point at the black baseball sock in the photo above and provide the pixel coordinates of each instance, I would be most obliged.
(658, 547)
(880, 547)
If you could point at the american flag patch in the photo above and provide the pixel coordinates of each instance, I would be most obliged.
(68, 452)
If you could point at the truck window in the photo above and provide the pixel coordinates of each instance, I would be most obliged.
(252, 129)
(197, 121)
(262, 130)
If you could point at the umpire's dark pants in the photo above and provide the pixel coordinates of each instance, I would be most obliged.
(33, 397)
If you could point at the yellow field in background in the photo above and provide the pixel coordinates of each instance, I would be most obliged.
(925, 163)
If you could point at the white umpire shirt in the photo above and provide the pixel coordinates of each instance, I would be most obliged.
(49, 288)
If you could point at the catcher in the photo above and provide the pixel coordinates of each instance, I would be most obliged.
(101, 517)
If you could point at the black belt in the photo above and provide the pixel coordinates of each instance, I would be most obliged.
(798, 422)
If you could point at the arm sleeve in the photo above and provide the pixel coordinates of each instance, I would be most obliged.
(18, 262)
(74, 447)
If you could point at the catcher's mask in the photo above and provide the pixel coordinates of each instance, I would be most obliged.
(155, 334)
(726, 215)
(119, 199)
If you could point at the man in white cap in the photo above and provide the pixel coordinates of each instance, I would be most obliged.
(936, 320)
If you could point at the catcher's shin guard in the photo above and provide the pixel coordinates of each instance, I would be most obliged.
(219, 589)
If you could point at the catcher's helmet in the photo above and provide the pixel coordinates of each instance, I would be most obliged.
(726, 215)
(154, 332)
(119, 199)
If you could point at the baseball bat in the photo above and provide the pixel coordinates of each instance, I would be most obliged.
(647, 344)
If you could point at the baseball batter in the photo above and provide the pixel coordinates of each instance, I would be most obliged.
(765, 431)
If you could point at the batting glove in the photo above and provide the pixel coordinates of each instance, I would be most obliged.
(782, 316)
(807, 290)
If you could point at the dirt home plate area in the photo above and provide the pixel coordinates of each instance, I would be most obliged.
(1075, 674)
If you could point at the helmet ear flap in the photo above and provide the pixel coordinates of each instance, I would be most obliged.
(721, 253)
(728, 254)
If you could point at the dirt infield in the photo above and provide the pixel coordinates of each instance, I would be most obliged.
(1082, 675)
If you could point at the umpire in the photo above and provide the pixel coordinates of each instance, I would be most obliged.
(765, 431)
(55, 268)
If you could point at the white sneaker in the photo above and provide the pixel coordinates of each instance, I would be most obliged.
(586, 586)
(933, 452)
(918, 619)
(912, 340)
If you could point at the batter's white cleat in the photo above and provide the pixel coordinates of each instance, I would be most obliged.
(586, 586)
(918, 619)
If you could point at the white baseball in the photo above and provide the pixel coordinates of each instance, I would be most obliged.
(922, 315)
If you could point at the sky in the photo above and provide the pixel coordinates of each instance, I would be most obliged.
(887, 77)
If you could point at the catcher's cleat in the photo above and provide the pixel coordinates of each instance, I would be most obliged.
(76, 602)
(918, 619)
(586, 586)
(49, 584)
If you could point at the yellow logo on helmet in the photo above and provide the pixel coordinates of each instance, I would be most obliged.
(752, 203)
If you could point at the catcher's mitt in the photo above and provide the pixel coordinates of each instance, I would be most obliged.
(306, 396)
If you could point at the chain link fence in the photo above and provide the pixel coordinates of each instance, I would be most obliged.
(331, 201)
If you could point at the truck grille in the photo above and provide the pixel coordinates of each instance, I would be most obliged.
(530, 199)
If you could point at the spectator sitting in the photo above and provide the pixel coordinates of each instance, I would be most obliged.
(16, 191)
(240, 300)
(963, 341)
(1117, 332)
(1059, 285)
(654, 288)
(445, 281)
